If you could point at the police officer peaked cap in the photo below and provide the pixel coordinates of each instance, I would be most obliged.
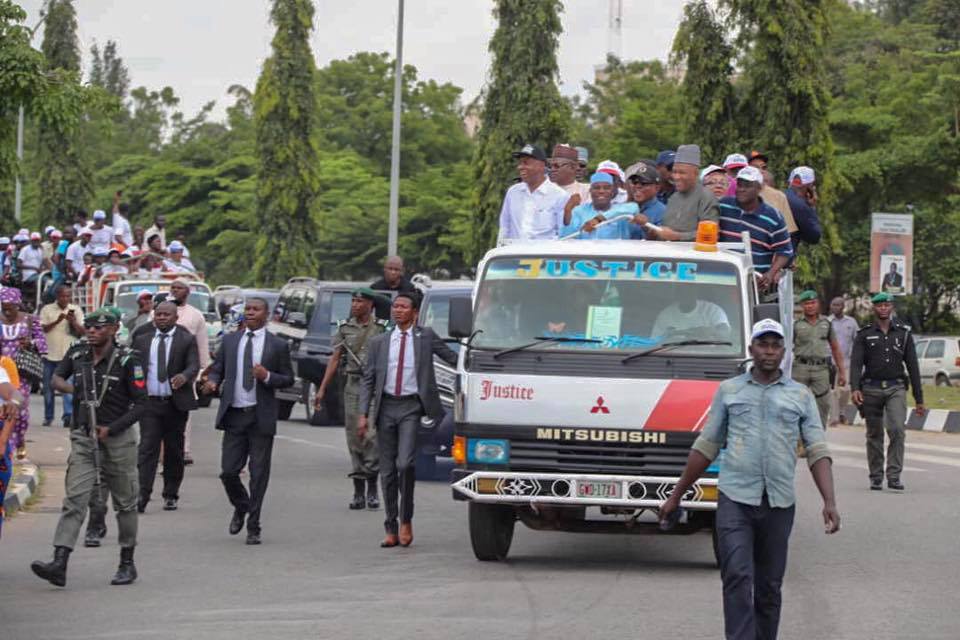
(367, 293)
(101, 317)
(883, 296)
(807, 295)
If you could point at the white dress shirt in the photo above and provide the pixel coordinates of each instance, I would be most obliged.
(154, 386)
(242, 397)
(532, 215)
(409, 385)
(121, 227)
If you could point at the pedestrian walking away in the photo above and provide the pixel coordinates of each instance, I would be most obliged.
(22, 340)
(350, 346)
(250, 366)
(109, 379)
(881, 351)
(171, 363)
(398, 388)
(757, 418)
(814, 345)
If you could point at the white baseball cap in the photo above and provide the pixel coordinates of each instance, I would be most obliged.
(711, 169)
(99, 215)
(86, 231)
(750, 173)
(50, 228)
(735, 161)
(802, 176)
(611, 167)
(766, 326)
(175, 247)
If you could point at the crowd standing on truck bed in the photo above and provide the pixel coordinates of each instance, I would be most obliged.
(523, 378)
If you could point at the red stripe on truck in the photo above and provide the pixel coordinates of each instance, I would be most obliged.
(683, 406)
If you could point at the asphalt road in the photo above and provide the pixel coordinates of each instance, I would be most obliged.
(891, 573)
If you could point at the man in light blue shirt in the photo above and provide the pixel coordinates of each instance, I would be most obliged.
(757, 418)
(533, 208)
(585, 218)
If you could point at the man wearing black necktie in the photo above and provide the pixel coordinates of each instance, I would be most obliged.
(398, 388)
(172, 360)
(249, 367)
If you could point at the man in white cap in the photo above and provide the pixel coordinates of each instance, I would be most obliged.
(176, 261)
(761, 414)
(732, 165)
(49, 246)
(31, 259)
(802, 197)
(102, 234)
(77, 250)
(613, 169)
(690, 204)
(4, 256)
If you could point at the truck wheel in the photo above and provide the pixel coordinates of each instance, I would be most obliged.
(943, 381)
(716, 545)
(284, 409)
(426, 466)
(491, 531)
(314, 418)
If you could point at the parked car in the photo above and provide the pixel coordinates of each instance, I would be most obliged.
(939, 358)
(226, 296)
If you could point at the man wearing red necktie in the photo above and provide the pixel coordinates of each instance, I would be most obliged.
(399, 388)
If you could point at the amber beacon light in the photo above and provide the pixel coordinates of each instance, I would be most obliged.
(707, 233)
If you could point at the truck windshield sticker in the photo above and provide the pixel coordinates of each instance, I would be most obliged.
(612, 269)
(604, 322)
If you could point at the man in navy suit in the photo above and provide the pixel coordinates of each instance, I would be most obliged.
(250, 365)
(398, 388)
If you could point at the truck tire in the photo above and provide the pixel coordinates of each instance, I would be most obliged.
(942, 380)
(284, 409)
(491, 531)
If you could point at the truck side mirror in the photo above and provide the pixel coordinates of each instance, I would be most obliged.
(461, 318)
(767, 311)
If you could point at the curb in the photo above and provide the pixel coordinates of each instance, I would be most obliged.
(934, 420)
(22, 488)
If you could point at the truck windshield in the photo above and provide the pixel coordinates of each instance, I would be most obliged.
(617, 304)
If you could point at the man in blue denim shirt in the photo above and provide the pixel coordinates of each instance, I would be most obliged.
(757, 418)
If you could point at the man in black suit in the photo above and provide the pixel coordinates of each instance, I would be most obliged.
(892, 280)
(399, 387)
(172, 362)
(250, 365)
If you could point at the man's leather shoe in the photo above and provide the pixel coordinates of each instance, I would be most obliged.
(91, 539)
(406, 534)
(876, 485)
(357, 503)
(187, 459)
(236, 522)
(142, 505)
(253, 537)
(390, 541)
(896, 485)
(373, 502)
(169, 504)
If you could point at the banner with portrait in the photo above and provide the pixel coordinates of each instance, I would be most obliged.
(891, 253)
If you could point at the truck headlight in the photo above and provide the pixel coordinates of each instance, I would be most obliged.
(488, 451)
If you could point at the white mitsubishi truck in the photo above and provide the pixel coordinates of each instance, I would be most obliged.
(588, 372)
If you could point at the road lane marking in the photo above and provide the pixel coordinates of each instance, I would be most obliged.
(854, 463)
(308, 443)
(916, 457)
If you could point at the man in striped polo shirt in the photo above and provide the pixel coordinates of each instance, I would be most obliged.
(772, 249)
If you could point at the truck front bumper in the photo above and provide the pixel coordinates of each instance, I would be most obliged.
(522, 488)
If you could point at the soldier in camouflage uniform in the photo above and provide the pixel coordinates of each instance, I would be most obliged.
(813, 343)
(350, 345)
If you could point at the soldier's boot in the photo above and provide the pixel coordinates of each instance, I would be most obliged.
(373, 501)
(126, 572)
(358, 501)
(96, 531)
(55, 571)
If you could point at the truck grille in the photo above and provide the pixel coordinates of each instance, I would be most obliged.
(581, 457)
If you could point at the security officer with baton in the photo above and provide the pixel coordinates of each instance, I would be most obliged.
(880, 352)
(350, 342)
(109, 397)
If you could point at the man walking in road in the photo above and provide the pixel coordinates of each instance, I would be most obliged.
(193, 321)
(814, 342)
(845, 328)
(881, 350)
(757, 418)
(170, 358)
(250, 366)
(62, 324)
(398, 388)
(350, 344)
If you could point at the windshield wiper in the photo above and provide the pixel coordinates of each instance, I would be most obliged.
(541, 340)
(671, 345)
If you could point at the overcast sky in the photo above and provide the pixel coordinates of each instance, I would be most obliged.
(201, 47)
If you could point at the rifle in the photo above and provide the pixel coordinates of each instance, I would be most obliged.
(90, 401)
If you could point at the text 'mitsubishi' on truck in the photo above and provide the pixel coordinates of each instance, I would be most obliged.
(590, 369)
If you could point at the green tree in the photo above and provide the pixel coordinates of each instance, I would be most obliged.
(286, 119)
(64, 174)
(709, 104)
(521, 103)
(108, 71)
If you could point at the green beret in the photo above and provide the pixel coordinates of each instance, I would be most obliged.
(101, 317)
(883, 296)
(809, 294)
(365, 292)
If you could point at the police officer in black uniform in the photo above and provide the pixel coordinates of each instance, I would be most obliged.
(120, 397)
(879, 383)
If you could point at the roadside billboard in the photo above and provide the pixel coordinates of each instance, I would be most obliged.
(891, 253)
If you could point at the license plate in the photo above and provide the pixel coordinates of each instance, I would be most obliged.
(598, 489)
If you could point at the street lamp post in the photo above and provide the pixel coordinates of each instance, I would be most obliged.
(18, 190)
(394, 225)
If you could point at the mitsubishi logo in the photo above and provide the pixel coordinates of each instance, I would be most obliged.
(599, 407)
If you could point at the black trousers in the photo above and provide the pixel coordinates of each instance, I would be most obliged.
(397, 423)
(162, 423)
(244, 446)
(753, 559)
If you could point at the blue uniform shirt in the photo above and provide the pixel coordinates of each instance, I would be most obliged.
(654, 210)
(616, 231)
(758, 426)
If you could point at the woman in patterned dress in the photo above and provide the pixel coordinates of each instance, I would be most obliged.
(9, 381)
(19, 330)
